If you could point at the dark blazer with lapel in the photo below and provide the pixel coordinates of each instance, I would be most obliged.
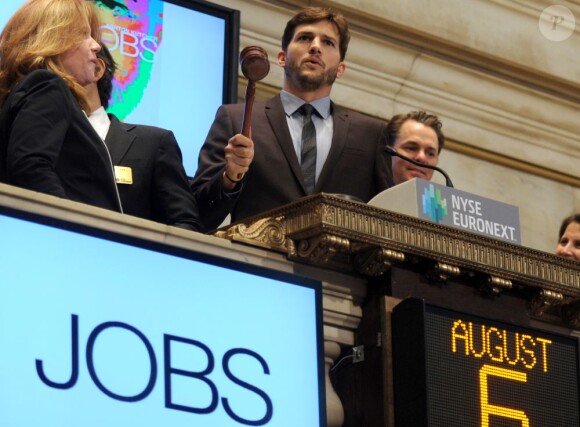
(48, 145)
(356, 165)
(160, 190)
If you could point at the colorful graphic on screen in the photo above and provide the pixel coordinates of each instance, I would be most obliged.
(132, 32)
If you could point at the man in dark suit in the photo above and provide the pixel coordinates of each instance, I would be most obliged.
(148, 164)
(243, 177)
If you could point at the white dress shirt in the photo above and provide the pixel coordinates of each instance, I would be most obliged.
(100, 121)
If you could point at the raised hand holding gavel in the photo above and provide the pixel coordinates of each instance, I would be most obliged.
(239, 151)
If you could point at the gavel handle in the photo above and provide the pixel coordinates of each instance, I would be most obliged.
(248, 106)
(247, 119)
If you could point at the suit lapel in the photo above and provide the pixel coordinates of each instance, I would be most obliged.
(341, 122)
(278, 124)
(118, 139)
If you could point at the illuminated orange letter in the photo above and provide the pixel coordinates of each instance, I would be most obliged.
(471, 346)
(500, 411)
(544, 352)
(526, 351)
(459, 331)
(513, 361)
(498, 356)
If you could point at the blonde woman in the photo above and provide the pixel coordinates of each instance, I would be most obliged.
(47, 55)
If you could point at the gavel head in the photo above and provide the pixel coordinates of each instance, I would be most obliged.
(254, 63)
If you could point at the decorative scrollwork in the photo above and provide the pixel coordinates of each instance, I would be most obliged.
(440, 273)
(322, 248)
(571, 314)
(377, 260)
(493, 285)
(545, 299)
(326, 213)
(266, 232)
(334, 232)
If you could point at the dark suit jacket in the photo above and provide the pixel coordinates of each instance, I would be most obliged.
(160, 190)
(356, 165)
(48, 145)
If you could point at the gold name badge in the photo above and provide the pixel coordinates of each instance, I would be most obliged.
(123, 175)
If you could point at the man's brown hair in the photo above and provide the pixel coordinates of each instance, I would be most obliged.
(430, 120)
(311, 15)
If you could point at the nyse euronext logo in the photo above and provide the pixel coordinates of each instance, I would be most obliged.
(434, 205)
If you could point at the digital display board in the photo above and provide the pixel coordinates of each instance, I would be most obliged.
(454, 369)
(177, 63)
(98, 332)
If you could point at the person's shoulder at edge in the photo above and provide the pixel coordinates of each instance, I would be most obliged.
(148, 129)
(40, 79)
(340, 109)
(40, 75)
(239, 106)
(155, 135)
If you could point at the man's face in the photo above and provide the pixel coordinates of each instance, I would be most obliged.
(418, 142)
(312, 60)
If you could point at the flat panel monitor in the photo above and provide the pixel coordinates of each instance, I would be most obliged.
(177, 64)
(99, 328)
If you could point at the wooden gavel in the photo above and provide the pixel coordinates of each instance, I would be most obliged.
(255, 66)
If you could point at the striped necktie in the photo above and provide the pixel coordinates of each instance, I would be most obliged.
(308, 155)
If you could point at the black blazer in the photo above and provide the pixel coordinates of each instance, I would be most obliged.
(356, 165)
(160, 190)
(48, 145)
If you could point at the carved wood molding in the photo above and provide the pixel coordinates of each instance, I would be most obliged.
(333, 232)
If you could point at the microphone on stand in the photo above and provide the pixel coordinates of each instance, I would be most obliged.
(391, 151)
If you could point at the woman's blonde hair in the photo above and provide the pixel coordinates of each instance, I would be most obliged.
(37, 34)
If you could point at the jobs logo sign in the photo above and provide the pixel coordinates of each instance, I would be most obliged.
(172, 369)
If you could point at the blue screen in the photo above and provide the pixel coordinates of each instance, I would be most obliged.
(160, 340)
